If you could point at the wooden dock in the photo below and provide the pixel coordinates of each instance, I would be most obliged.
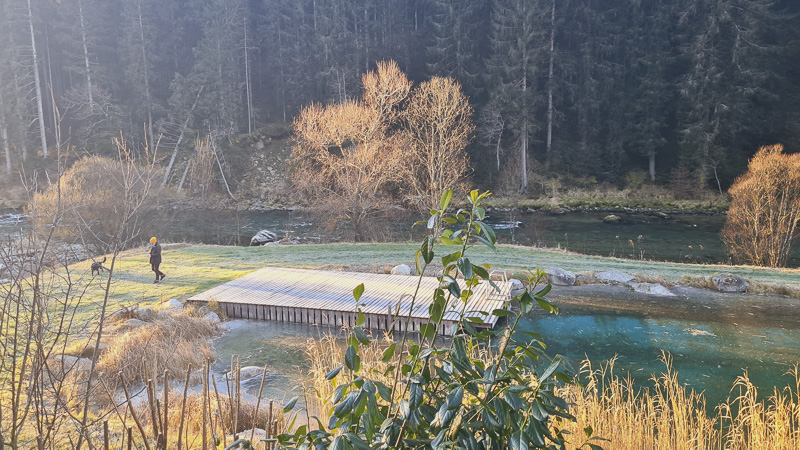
(326, 298)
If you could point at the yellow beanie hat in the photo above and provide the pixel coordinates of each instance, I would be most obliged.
(153, 240)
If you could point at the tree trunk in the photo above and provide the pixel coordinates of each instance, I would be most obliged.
(248, 88)
(4, 134)
(652, 165)
(37, 82)
(548, 156)
(148, 100)
(180, 139)
(86, 58)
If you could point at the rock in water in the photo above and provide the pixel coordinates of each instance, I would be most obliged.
(615, 277)
(612, 218)
(212, 317)
(263, 237)
(728, 282)
(560, 277)
(651, 289)
(402, 269)
(250, 372)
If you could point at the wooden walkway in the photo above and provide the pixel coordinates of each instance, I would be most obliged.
(326, 298)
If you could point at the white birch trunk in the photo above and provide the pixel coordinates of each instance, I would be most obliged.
(248, 87)
(37, 82)
(146, 74)
(4, 133)
(86, 58)
(550, 86)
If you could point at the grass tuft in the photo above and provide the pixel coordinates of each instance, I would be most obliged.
(170, 343)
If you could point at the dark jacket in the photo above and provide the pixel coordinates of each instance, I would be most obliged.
(155, 254)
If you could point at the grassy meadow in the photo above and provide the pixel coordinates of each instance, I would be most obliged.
(191, 269)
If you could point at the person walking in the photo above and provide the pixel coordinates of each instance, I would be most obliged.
(155, 259)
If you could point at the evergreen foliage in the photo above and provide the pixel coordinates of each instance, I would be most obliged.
(634, 85)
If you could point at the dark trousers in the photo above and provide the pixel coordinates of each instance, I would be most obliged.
(154, 265)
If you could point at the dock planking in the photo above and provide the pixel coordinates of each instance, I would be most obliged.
(320, 297)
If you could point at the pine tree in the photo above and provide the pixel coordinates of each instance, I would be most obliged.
(519, 44)
(727, 79)
(456, 29)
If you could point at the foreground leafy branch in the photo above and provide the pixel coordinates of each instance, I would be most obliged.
(462, 394)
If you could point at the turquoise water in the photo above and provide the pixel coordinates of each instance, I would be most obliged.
(713, 338)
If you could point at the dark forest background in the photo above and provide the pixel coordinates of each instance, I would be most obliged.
(588, 88)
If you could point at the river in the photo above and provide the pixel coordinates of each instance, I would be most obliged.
(712, 337)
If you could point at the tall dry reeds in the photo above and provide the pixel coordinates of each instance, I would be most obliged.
(669, 416)
(664, 416)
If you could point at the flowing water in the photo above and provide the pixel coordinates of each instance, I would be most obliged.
(712, 337)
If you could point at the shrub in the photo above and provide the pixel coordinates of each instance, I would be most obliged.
(763, 219)
(100, 202)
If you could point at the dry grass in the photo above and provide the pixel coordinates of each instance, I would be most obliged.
(697, 282)
(670, 417)
(666, 416)
(774, 289)
(170, 343)
(656, 279)
(248, 417)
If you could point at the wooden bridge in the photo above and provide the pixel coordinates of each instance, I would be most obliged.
(326, 298)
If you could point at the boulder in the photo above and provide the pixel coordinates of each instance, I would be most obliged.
(615, 277)
(728, 282)
(212, 317)
(131, 324)
(203, 310)
(120, 314)
(583, 279)
(402, 269)
(651, 289)
(172, 304)
(517, 287)
(144, 314)
(612, 218)
(560, 277)
(72, 363)
(250, 372)
(263, 237)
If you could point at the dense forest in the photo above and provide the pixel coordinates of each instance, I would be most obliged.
(588, 88)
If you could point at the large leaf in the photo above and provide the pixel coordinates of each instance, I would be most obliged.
(358, 291)
(445, 200)
(388, 354)
(428, 330)
(332, 374)
(518, 441)
(351, 359)
(289, 406)
(465, 267)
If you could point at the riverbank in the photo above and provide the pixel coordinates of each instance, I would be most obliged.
(194, 268)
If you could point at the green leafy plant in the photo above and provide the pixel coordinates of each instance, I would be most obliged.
(442, 394)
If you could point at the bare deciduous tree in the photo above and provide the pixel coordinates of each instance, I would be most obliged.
(439, 126)
(764, 218)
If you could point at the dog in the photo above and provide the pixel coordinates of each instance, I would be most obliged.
(97, 266)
